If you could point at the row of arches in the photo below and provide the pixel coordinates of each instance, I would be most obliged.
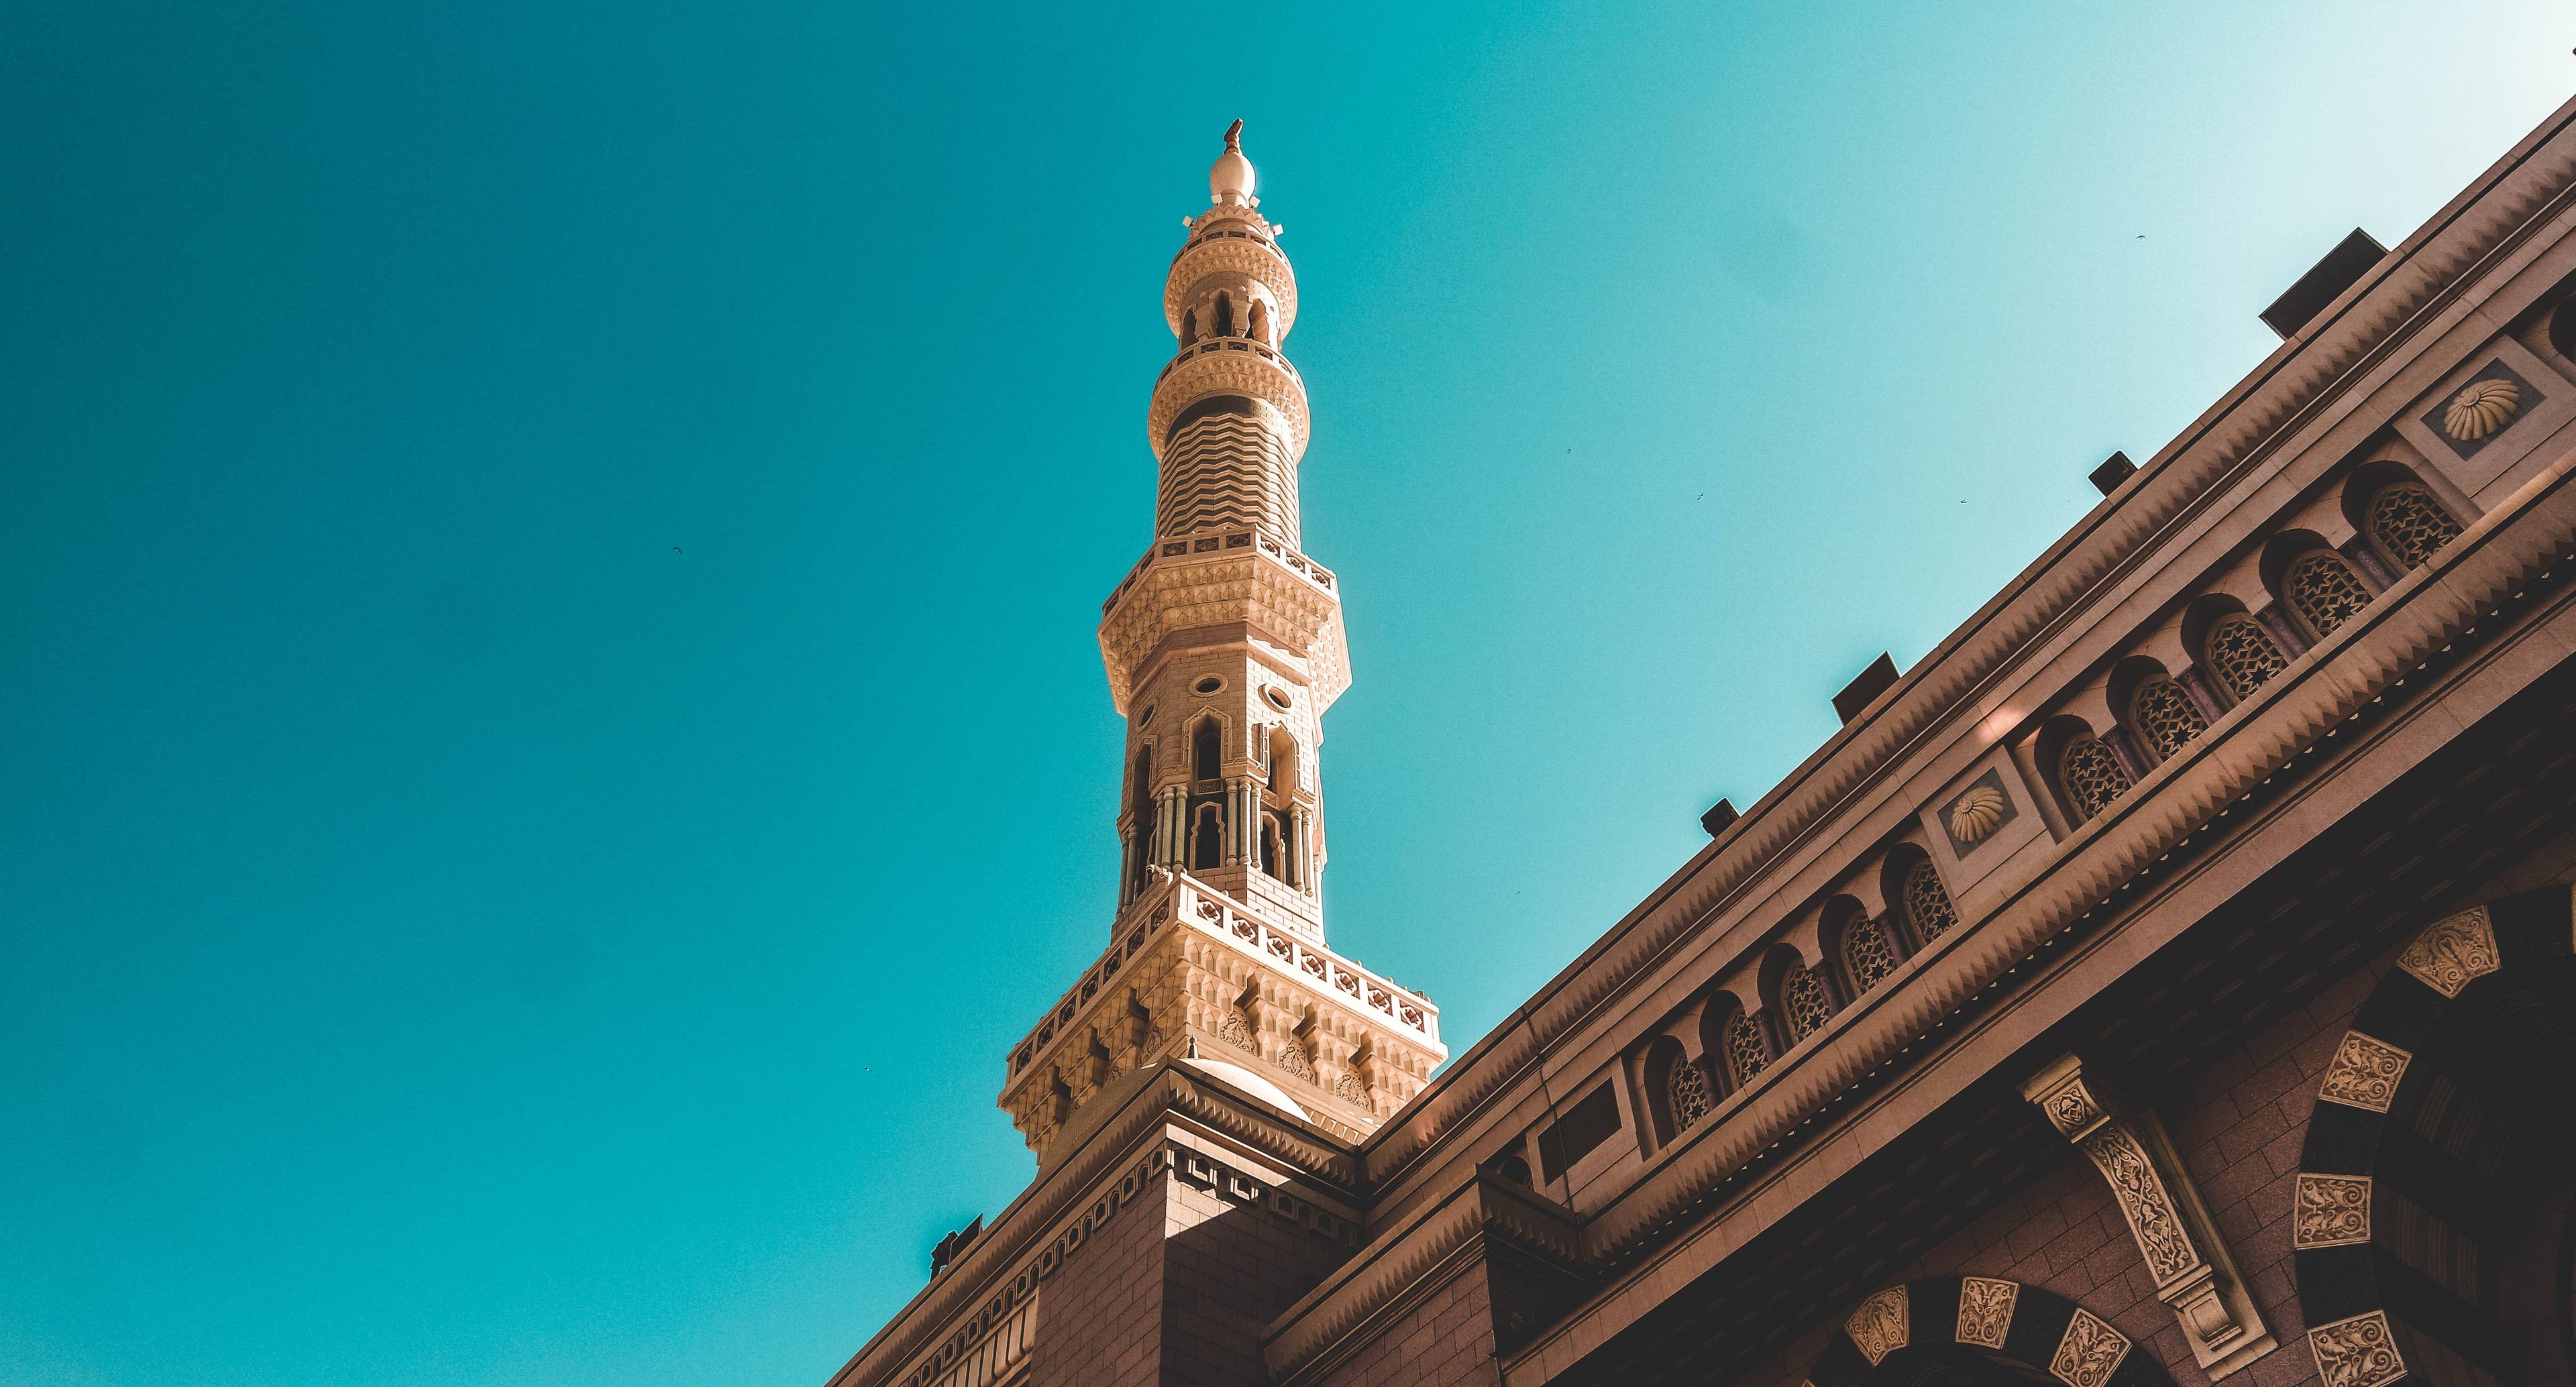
(1258, 322)
(1203, 830)
(1684, 1082)
(2314, 588)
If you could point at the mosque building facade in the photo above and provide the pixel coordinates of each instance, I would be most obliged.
(2170, 978)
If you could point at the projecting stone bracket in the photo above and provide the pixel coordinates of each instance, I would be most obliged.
(2193, 1272)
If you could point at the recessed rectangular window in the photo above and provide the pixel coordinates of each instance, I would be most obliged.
(1579, 1133)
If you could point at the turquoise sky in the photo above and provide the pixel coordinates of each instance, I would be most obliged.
(549, 716)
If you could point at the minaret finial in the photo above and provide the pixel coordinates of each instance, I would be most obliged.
(1230, 181)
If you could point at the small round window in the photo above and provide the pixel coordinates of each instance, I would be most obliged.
(1145, 718)
(1208, 685)
(1277, 699)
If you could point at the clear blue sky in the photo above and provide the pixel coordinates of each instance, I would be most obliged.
(549, 716)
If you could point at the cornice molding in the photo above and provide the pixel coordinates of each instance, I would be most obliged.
(2434, 605)
(2386, 308)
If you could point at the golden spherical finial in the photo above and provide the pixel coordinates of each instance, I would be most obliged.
(1230, 179)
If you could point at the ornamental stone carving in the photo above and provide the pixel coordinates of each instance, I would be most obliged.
(2090, 1352)
(2143, 1202)
(2330, 1210)
(2358, 1352)
(1877, 1328)
(2364, 1073)
(2193, 1273)
(2480, 408)
(1986, 1310)
(2452, 952)
(1975, 815)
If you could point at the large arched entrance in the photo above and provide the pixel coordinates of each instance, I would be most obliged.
(2434, 1226)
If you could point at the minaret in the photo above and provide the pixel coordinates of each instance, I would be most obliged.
(1223, 647)
(1224, 692)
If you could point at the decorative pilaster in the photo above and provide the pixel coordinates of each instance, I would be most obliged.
(1170, 845)
(1127, 831)
(2192, 1269)
(1301, 848)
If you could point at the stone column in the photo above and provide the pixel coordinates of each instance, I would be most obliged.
(1127, 884)
(2192, 1269)
(1301, 843)
(1171, 846)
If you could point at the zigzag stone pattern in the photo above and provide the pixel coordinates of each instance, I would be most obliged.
(1229, 469)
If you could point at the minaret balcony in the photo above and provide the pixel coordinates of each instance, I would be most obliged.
(1173, 938)
(1235, 575)
(1221, 245)
(1228, 366)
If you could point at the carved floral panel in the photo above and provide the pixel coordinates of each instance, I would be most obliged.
(2143, 1202)
(1986, 1310)
(2453, 952)
(1877, 1328)
(2090, 1352)
(2364, 1073)
(2330, 1210)
(2358, 1352)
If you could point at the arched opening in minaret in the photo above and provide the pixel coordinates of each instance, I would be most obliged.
(1140, 805)
(1283, 761)
(1189, 327)
(1260, 326)
(1224, 314)
(1207, 839)
(1274, 842)
(1206, 751)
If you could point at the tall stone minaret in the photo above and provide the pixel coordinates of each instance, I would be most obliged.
(1224, 647)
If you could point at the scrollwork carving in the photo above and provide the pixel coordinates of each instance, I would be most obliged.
(2364, 1073)
(2090, 1352)
(1986, 1310)
(2143, 1202)
(2358, 1352)
(1878, 1327)
(2330, 1210)
(2453, 952)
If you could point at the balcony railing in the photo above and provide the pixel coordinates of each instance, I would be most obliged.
(1189, 904)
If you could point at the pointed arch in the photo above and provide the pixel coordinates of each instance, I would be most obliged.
(1207, 749)
(1224, 314)
(1207, 838)
(1283, 761)
(1677, 1092)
